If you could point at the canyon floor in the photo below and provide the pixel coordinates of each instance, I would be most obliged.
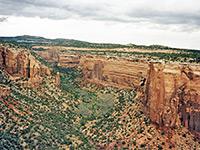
(59, 103)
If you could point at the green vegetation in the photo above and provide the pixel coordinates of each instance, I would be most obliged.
(78, 116)
(182, 56)
(30, 41)
(52, 117)
(39, 117)
(13, 45)
(9, 140)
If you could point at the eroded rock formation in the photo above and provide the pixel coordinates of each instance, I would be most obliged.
(20, 63)
(57, 78)
(69, 60)
(50, 55)
(108, 71)
(172, 96)
(113, 71)
(171, 91)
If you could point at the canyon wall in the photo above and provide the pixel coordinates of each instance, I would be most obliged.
(68, 60)
(171, 91)
(108, 71)
(20, 63)
(112, 71)
(49, 55)
(172, 95)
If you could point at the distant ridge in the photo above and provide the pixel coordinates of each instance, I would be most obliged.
(30, 41)
(34, 39)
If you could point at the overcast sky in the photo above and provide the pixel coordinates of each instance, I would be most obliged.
(174, 23)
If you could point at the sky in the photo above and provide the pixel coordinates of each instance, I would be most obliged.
(174, 23)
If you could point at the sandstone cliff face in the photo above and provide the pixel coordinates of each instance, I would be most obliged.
(20, 63)
(171, 91)
(113, 71)
(172, 96)
(51, 55)
(69, 60)
(108, 71)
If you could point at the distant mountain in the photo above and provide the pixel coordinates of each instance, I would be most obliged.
(30, 41)
(33, 39)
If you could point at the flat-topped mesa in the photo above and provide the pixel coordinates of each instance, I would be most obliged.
(172, 96)
(20, 63)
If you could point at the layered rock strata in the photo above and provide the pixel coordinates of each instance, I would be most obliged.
(113, 71)
(20, 63)
(108, 71)
(171, 91)
(172, 96)
(50, 55)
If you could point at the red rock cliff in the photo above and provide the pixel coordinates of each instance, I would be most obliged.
(20, 63)
(111, 71)
(172, 96)
(171, 91)
(108, 71)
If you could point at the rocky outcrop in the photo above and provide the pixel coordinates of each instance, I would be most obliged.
(20, 63)
(172, 96)
(57, 79)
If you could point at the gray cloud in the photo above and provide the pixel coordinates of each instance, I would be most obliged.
(2, 19)
(165, 17)
(153, 11)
